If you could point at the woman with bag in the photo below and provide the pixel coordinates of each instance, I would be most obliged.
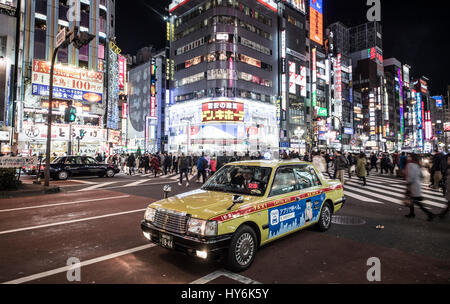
(361, 169)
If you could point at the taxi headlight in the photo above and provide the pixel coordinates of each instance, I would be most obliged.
(150, 215)
(202, 227)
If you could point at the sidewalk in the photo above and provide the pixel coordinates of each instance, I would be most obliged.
(29, 190)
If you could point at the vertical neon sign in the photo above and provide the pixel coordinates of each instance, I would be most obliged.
(314, 77)
(400, 91)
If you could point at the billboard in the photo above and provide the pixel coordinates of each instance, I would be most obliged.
(68, 82)
(316, 21)
(138, 100)
(223, 111)
(297, 4)
(439, 101)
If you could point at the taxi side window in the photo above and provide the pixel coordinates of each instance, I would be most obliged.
(284, 182)
(306, 177)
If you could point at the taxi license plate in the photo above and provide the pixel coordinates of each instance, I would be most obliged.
(166, 241)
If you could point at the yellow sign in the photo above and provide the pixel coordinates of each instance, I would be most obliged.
(114, 48)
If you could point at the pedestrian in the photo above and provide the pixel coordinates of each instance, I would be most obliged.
(183, 166)
(155, 165)
(319, 162)
(373, 162)
(351, 164)
(446, 189)
(202, 165)
(167, 162)
(361, 169)
(437, 168)
(340, 164)
(384, 163)
(414, 187)
(175, 164)
(131, 163)
(402, 164)
(213, 165)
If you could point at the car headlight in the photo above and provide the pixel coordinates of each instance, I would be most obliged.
(150, 215)
(202, 227)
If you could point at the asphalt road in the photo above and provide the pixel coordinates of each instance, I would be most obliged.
(97, 221)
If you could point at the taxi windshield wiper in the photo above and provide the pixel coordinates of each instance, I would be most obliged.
(214, 188)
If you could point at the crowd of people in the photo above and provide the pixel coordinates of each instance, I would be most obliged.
(334, 165)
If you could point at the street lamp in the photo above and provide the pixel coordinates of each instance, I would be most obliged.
(79, 40)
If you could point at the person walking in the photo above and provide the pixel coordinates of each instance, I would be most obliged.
(213, 165)
(131, 163)
(361, 169)
(402, 164)
(155, 165)
(373, 162)
(437, 168)
(183, 166)
(319, 162)
(414, 187)
(202, 165)
(446, 189)
(340, 164)
(351, 164)
(175, 164)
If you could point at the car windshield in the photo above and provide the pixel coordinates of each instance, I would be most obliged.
(247, 180)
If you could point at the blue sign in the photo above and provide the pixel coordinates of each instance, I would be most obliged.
(439, 101)
(348, 131)
(317, 5)
(289, 217)
(285, 145)
(63, 93)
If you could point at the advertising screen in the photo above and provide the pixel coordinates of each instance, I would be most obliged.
(316, 20)
(122, 72)
(297, 4)
(439, 101)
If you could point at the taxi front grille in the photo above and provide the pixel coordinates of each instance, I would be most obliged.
(171, 221)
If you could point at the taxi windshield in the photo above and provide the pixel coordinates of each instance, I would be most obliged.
(246, 180)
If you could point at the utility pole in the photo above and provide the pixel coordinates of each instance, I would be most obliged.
(63, 40)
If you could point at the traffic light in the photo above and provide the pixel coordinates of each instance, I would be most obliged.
(72, 114)
(67, 115)
(82, 134)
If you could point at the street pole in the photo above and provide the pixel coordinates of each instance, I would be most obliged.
(49, 121)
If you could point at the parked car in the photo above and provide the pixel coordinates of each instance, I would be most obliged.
(245, 205)
(69, 166)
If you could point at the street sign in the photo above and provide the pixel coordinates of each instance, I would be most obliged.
(61, 37)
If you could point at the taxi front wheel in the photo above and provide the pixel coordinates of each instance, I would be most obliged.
(242, 251)
(325, 218)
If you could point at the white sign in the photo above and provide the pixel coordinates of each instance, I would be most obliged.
(61, 37)
(38, 132)
(4, 135)
(17, 162)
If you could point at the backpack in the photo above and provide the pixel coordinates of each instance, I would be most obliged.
(204, 164)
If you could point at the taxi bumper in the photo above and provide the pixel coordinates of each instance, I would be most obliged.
(215, 247)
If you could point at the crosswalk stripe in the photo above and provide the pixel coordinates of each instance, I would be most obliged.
(136, 183)
(362, 198)
(373, 194)
(97, 186)
(428, 194)
(394, 194)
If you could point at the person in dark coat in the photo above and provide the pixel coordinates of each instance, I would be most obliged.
(131, 163)
(155, 164)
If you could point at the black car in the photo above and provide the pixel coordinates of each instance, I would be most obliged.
(67, 166)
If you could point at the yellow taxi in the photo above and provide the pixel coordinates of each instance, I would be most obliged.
(245, 205)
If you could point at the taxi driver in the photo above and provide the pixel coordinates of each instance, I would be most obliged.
(244, 179)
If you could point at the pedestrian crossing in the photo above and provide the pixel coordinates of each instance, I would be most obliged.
(388, 190)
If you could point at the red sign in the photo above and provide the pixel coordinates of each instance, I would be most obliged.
(124, 110)
(223, 111)
(122, 72)
(153, 107)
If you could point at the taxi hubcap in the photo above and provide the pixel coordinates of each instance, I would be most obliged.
(244, 249)
(63, 175)
(109, 173)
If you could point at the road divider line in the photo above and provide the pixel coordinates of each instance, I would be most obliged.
(70, 222)
(82, 264)
(97, 186)
(62, 204)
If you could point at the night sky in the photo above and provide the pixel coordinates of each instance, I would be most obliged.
(413, 33)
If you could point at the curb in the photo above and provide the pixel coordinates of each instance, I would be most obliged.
(21, 193)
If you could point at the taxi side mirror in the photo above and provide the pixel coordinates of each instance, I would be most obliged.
(238, 199)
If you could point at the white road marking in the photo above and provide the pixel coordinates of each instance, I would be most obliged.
(136, 183)
(360, 198)
(83, 182)
(82, 264)
(216, 274)
(97, 186)
(390, 199)
(430, 195)
(70, 222)
(150, 184)
(70, 203)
